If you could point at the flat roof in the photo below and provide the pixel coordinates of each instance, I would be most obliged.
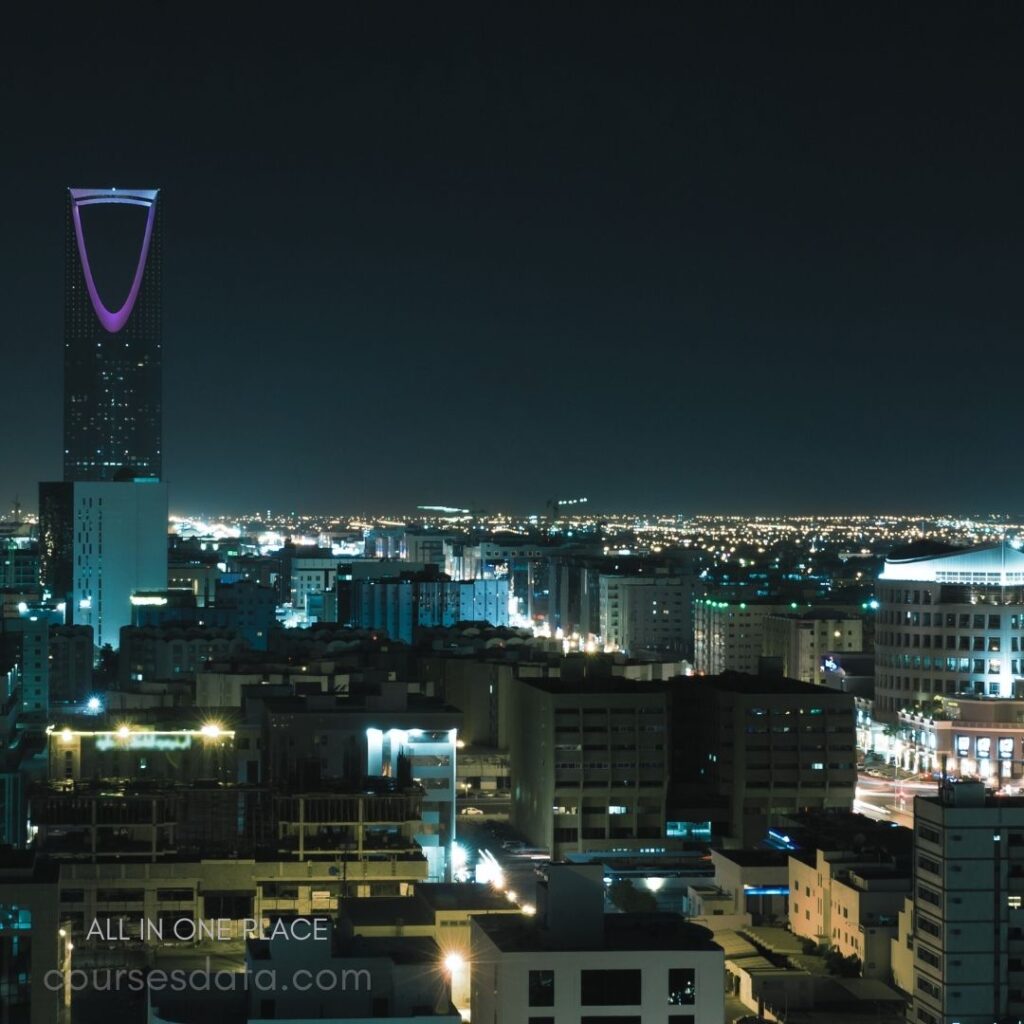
(461, 896)
(601, 685)
(658, 931)
(387, 910)
(755, 858)
(743, 682)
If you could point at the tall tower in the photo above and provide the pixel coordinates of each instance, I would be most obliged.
(112, 357)
(104, 527)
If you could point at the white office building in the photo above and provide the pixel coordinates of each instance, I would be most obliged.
(967, 932)
(573, 963)
(950, 621)
(646, 614)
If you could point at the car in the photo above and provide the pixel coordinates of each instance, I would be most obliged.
(471, 810)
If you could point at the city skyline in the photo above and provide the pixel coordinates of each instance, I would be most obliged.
(492, 262)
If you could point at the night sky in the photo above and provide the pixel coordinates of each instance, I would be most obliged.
(670, 256)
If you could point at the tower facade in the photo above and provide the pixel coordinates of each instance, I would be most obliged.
(950, 621)
(112, 357)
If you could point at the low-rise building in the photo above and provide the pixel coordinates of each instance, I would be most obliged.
(573, 962)
(847, 888)
(967, 737)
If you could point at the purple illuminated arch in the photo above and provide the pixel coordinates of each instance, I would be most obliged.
(113, 321)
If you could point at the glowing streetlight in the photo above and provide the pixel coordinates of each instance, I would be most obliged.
(211, 730)
(124, 732)
(454, 962)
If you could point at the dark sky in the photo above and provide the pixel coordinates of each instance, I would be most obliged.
(671, 256)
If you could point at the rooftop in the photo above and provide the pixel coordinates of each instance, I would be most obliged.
(755, 858)
(744, 683)
(658, 931)
(997, 564)
(600, 685)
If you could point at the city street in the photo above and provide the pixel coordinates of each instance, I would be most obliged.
(884, 797)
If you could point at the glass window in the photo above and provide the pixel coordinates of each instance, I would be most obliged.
(542, 988)
(610, 988)
(682, 986)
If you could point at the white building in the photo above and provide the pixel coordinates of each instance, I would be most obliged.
(802, 641)
(574, 963)
(312, 576)
(730, 637)
(950, 621)
(431, 758)
(119, 547)
(968, 936)
(646, 613)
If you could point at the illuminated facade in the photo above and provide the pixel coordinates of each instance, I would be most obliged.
(119, 546)
(430, 755)
(400, 607)
(949, 623)
(971, 738)
(112, 358)
(134, 752)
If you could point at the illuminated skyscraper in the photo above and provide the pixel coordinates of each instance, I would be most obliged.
(104, 527)
(112, 358)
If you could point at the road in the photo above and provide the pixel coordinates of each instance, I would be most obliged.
(520, 872)
(887, 799)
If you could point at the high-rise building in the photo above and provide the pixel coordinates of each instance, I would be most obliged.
(103, 531)
(758, 748)
(422, 600)
(590, 762)
(806, 642)
(112, 358)
(730, 637)
(950, 621)
(647, 614)
(101, 543)
(968, 921)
